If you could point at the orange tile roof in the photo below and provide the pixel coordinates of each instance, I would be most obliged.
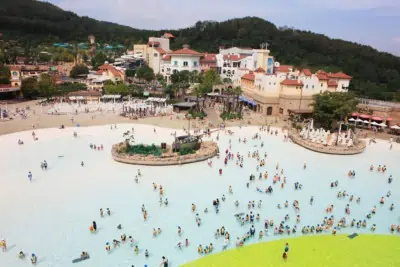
(169, 35)
(289, 82)
(185, 51)
(234, 57)
(306, 72)
(209, 57)
(283, 68)
(339, 75)
(332, 84)
(160, 50)
(322, 76)
(249, 76)
(259, 70)
(166, 57)
(110, 68)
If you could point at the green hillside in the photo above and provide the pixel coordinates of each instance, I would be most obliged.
(375, 74)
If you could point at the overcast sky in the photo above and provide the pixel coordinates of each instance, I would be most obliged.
(371, 22)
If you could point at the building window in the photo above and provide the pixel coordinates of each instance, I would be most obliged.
(233, 71)
(224, 71)
(162, 70)
(307, 86)
(168, 69)
(313, 87)
(185, 63)
(195, 64)
(155, 55)
(15, 73)
(322, 84)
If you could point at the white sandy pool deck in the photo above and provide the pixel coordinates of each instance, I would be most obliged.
(51, 216)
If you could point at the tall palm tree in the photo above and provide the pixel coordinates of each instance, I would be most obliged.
(237, 91)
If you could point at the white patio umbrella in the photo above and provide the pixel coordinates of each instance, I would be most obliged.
(395, 127)
(374, 123)
(359, 120)
(365, 121)
(382, 125)
(351, 119)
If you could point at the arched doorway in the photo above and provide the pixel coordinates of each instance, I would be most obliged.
(258, 108)
(269, 111)
(216, 91)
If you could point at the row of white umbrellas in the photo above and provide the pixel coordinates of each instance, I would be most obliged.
(372, 123)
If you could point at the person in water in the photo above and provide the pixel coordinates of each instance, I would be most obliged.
(33, 258)
(21, 255)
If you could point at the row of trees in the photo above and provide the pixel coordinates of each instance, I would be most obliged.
(46, 87)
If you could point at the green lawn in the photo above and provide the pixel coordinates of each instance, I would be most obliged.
(310, 251)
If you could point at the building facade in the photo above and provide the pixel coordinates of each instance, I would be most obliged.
(179, 60)
(287, 90)
(231, 60)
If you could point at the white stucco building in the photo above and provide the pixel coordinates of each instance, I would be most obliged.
(179, 60)
(231, 60)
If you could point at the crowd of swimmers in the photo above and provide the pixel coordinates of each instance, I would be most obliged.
(328, 224)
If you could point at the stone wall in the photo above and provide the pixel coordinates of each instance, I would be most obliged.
(336, 150)
(207, 150)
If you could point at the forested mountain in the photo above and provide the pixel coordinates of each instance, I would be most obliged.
(375, 74)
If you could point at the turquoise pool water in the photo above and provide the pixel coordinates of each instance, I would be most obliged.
(51, 216)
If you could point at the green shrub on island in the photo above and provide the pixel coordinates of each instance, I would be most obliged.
(186, 151)
(144, 150)
(198, 114)
(231, 116)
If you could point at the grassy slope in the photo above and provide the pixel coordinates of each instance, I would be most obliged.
(318, 251)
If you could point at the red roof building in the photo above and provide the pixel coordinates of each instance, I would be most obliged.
(248, 76)
(168, 35)
(339, 75)
(208, 61)
(283, 68)
(260, 70)
(289, 82)
(322, 76)
(185, 52)
(332, 84)
(160, 50)
(306, 72)
(166, 58)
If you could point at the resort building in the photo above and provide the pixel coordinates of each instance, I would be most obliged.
(231, 60)
(21, 72)
(286, 90)
(153, 51)
(110, 72)
(179, 60)
(208, 62)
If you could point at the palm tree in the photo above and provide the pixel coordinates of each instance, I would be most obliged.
(237, 91)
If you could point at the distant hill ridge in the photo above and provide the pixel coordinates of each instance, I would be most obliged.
(375, 74)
